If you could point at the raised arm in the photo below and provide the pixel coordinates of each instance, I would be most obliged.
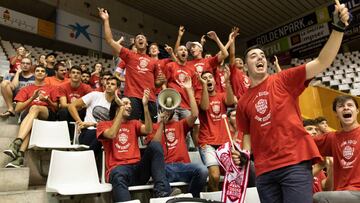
(180, 35)
(204, 101)
(331, 48)
(276, 64)
(229, 100)
(107, 31)
(193, 107)
(112, 132)
(15, 80)
(223, 51)
(147, 127)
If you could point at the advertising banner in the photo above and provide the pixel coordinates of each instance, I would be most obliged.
(18, 20)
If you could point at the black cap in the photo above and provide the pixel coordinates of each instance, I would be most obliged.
(51, 54)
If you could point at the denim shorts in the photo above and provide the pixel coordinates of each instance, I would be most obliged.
(208, 155)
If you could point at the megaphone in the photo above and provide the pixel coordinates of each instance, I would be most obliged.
(169, 99)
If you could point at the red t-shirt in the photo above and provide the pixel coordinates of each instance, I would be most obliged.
(175, 75)
(212, 126)
(344, 148)
(141, 72)
(26, 92)
(239, 81)
(71, 93)
(161, 63)
(95, 81)
(16, 66)
(124, 148)
(317, 182)
(54, 81)
(270, 113)
(205, 64)
(176, 149)
(220, 80)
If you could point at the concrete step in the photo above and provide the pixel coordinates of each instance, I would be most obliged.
(4, 159)
(8, 129)
(36, 194)
(14, 179)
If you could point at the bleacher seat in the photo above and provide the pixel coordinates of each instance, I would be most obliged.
(74, 173)
(216, 196)
(346, 81)
(51, 135)
(355, 92)
(344, 87)
(338, 77)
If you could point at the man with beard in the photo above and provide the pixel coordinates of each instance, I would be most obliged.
(59, 77)
(268, 114)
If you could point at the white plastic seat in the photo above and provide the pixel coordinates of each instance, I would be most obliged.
(51, 134)
(355, 92)
(334, 82)
(215, 196)
(344, 87)
(74, 173)
(346, 81)
(252, 195)
(165, 199)
(132, 201)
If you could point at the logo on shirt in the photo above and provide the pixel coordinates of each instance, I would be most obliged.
(246, 82)
(123, 144)
(263, 113)
(100, 113)
(171, 140)
(215, 113)
(144, 62)
(199, 67)
(180, 79)
(348, 151)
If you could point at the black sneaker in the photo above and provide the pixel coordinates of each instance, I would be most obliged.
(17, 163)
(13, 148)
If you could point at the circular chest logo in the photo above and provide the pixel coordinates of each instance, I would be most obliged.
(261, 106)
(348, 152)
(170, 136)
(123, 138)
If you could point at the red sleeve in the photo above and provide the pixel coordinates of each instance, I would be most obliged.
(100, 129)
(87, 89)
(167, 71)
(22, 95)
(53, 93)
(138, 125)
(122, 64)
(213, 62)
(293, 79)
(125, 54)
(242, 120)
(324, 143)
(150, 136)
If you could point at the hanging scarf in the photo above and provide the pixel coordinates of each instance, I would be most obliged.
(236, 177)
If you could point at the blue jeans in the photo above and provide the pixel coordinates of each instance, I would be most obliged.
(151, 164)
(290, 184)
(194, 174)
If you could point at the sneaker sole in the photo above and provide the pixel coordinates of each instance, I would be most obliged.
(10, 165)
(10, 153)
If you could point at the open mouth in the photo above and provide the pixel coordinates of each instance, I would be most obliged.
(183, 55)
(347, 115)
(260, 65)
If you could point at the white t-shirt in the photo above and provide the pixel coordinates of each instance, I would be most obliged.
(97, 107)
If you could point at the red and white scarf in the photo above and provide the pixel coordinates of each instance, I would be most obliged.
(236, 177)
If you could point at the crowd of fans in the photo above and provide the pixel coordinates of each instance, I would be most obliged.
(112, 109)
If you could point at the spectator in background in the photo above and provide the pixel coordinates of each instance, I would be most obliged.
(37, 101)
(69, 92)
(105, 75)
(85, 77)
(95, 76)
(15, 61)
(344, 147)
(310, 127)
(139, 67)
(50, 63)
(59, 77)
(41, 60)
(322, 125)
(84, 67)
(22, 78)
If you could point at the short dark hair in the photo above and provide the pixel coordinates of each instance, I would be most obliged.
(307, 122)
(251, 48)
(39, 66)
(57, 65)
(103, 73)
(320, 119)
(115, 78)
(342, 99)
(76, 68)
(86, 72)
(203, 73)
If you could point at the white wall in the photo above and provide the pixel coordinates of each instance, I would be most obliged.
(134, 17)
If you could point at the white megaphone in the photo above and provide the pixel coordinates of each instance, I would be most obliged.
(169, 99)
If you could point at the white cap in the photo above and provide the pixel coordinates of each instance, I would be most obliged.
(189, 44)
